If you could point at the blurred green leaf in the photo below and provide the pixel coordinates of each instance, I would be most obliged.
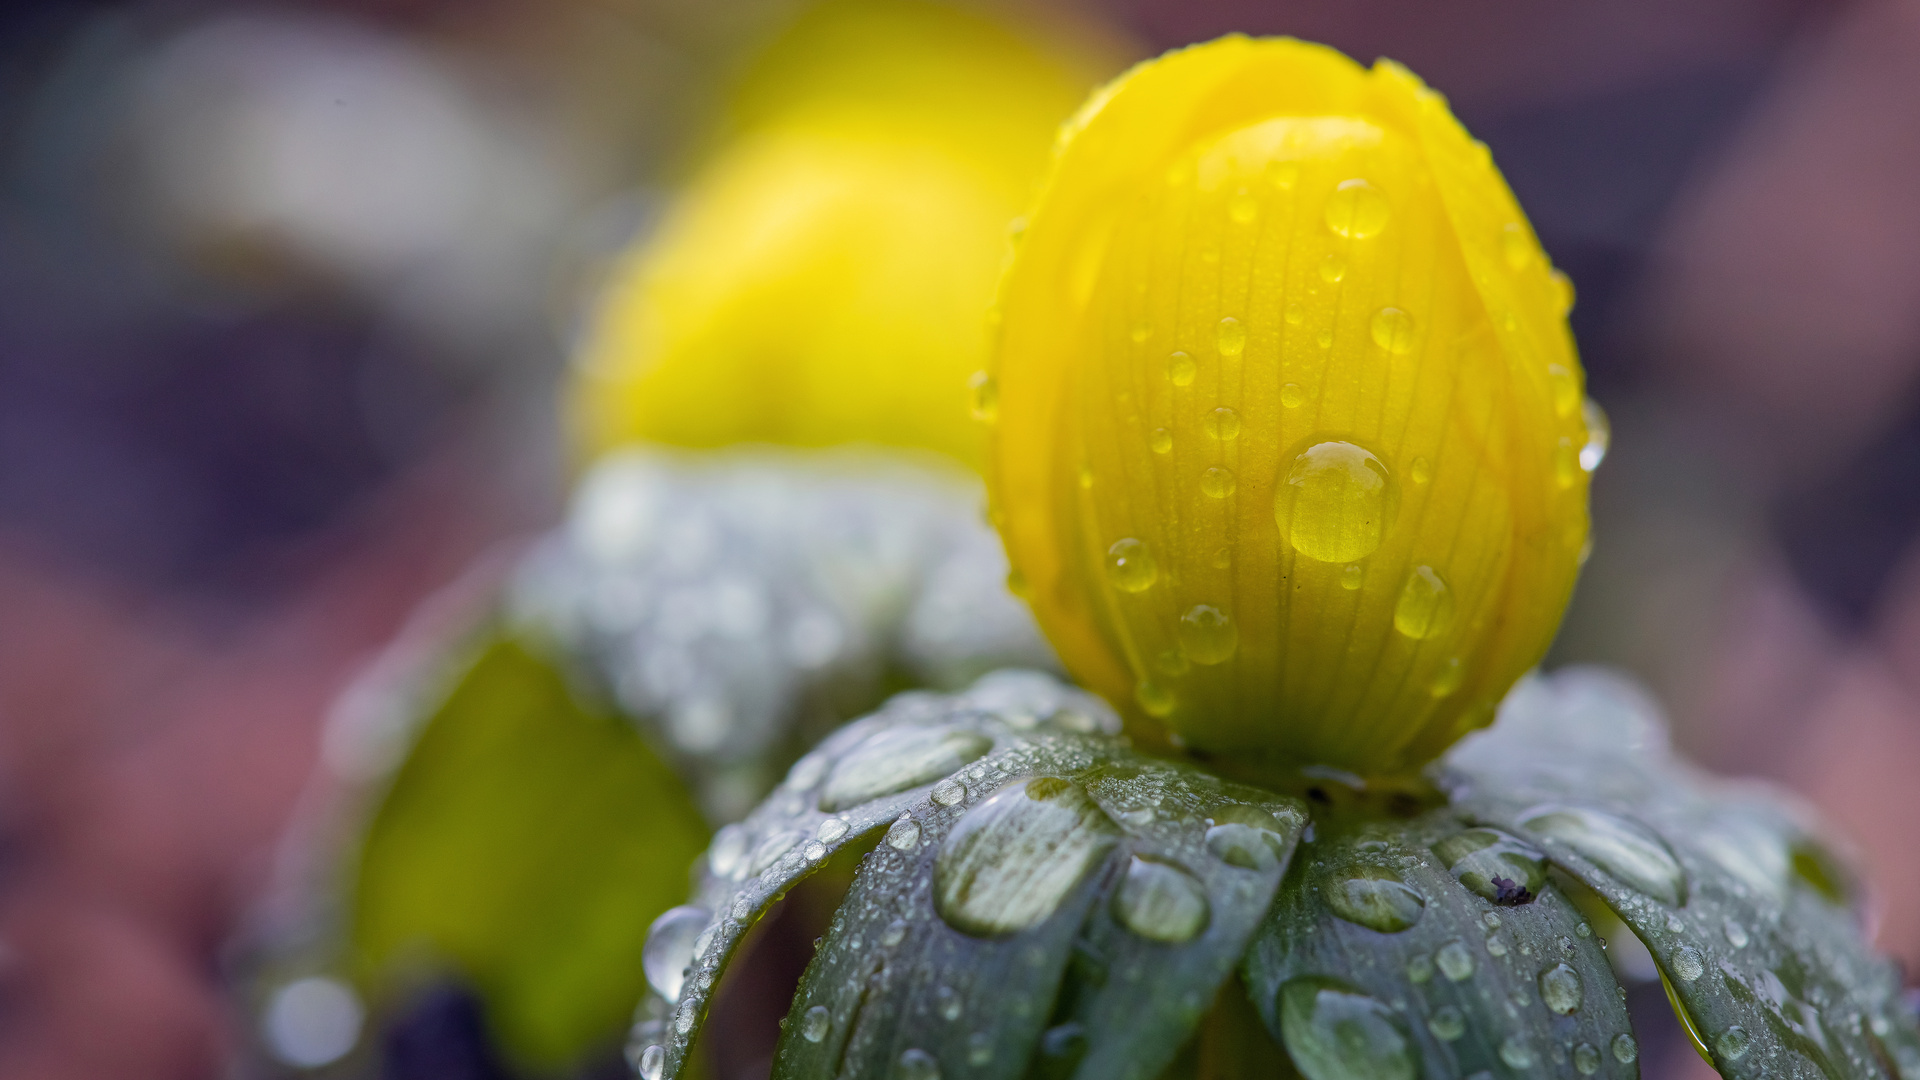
(526, 843)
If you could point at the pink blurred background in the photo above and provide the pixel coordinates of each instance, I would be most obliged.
(285, 291)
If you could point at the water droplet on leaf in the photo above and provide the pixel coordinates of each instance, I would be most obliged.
(1561, 989)
(1376, 898)
(1012, 860)
(1335, 1033)
(669, 949)
(898, 759)
(1160, 902)
(1622, 848)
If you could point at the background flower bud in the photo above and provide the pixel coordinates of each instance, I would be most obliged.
(823, 279)
(1291, 450)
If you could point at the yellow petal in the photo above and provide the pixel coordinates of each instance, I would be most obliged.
(1288, 445)
(825, 277)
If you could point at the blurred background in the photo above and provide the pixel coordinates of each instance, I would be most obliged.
(287, 292)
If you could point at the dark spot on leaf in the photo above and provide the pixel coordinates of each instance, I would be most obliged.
(1510, 893)
(1319, 795)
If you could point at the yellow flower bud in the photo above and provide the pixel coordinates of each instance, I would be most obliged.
(824, 278)
(1289, 441)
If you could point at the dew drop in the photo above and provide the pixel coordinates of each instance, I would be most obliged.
(1333, 268)
(728, 855)
(1454, 961)
(1393, 330)
(986, 397)
(772, 848)
(1599, 435)
(1421, 470)
(814, 1023)
(1561, 989)
(1517, 1054)
(1586, 1058)
(831, 829)
(1336, 503)
(1230, 336)
(1246, 836)
(1425, 607)
(1160, 440)
(1160, 902)
(1496, 946)
(1352, 576)
(1625, 1050)
(1688, 964)
(1733, 1043)
(1012, 860)
(814, 851)
(1447, 1024)
(1494, 865)
(1376, 898)
(1223, 424)
(948, 793)
(1292, 396)
(1357, 209)
(1620, 847)
(904, 834)
(1181, 369)
(1207, 635)
(1564, 388)
(1243, 208)
(669, 949)
(1514, 246)
(1447, 677)
(653, 1062)
(1736, 934)
(1334, 1032)
(1420, 968)
(898, 759)
(1155, 698)
(1130, 566)
(917, 1064)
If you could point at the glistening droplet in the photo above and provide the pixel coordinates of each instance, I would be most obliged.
(1357, 209)
(1334, 1032)
(1393, 330)
(1336, 502)
(1454, 961)
(904, 834)
(669, 949)
(1447, 1024)
(1332, 269)
(1624, 849)
(1246, 836)
(1599, 435)
(898, 759)
(653, 1062)
(1012, 860)
(1181, 369)
(1425, 607)
(1561, 989)
(1230, 336)
(1217, 483)
(1374, 897)
(1222, 423)
(1130, 566)
(1733, 1043)
(814, 1023)
(1586, 1058)
(1160, 902)
(1625, 1050)
(1207, 635)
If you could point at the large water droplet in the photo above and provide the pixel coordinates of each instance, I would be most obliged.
(814, 1023)
(1374, 897)
(1333, 1032)
(1599, 435)
(1357, 209)
(1013, 859)
(1207, 635)
(1336, 502)
(898, 759)
(1425, 607)
(1393, 330)
(1454, 961)
(1160, 902)
(1561, 989)
(1181, 369)
(1246, 836)
(1130, 566)
(669, 949)
(1687, 963)
(1622, 848)
(1495, 865)
(1230, 336)
(1217, 483)
(728, 853)
(917, 1064)
(1447, 1024)
(1222, 423)
(903, 834)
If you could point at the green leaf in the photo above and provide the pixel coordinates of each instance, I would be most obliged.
(1727, 884)
(983, 936)
(526, 842)
(1379, 961)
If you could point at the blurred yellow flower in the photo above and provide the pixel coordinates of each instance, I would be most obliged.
(1291, 447)
(824, 278)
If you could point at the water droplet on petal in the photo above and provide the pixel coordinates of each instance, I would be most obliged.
(1292, 396)
(1222, 423)
(1622, 848)
(653, 1062)
(1376, 898)
(1155, 698)
(917, 1064)
(948, 793)
(1599, 435)
(1296, 313)
(1335, 1033)
(1447, 1024)
(1425, 607)
(1447, 677)
(986, 397)
(1161, 902)
(1393, 330)
(904, 834)
(1181, 369)
(1561, 989)
(1131, 567)
(1207, 635)
(814, 1023)
(1352, 576)
(1160, 440)
(1586, 1058)
(1217, 483)
(1733, 1043)
(1454, 961)
(1625, 1050)
(1357, 209)
(1246, 836)
(1333, 268)
(1230, 336)
(1421, 471)
(1688, 964)
(1012, 860)
(898, 759)
(1736, 934)
(1494, 865)
(1566, 463)
(1336, 503)
(831, 829)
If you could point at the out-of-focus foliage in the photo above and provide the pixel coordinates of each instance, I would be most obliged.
(824, 277)
(526, 844)
(1290, 445)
